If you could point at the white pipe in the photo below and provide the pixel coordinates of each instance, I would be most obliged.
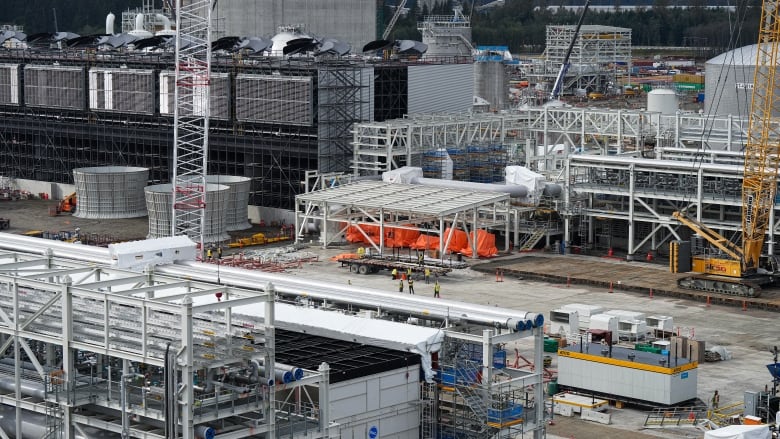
(514, 190)
(139, 22)
(369, 298)
(165, 21)
(35, 425)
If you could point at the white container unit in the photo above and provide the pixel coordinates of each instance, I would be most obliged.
(626, 315)
(661, 323)
(136, 255)
(585, 312)
(632, 330)
(564, 322)
(605, 322)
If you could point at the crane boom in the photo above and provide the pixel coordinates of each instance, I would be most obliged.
(759, 183)
(558, 85)
(398, 10)
(191, 117)
(762, 150)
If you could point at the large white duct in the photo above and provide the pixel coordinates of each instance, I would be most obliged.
(514, 190)
(335, 293)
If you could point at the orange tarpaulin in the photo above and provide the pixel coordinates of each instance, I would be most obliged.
(458, 241)
(486, 245)
(353, 234)
(397, 237)
(425, 242)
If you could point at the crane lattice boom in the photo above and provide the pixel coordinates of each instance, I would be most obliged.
(763, 144)
(191, 116)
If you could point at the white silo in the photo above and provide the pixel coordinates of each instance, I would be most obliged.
(110, 192)
(237, 211)
(728, 83)
(159, 204)
(663, 101)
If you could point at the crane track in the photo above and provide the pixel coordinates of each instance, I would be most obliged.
(739, 288)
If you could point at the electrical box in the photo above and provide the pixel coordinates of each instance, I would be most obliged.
(751, 403)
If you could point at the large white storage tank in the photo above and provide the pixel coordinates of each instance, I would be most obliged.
(663, 101)
(728, 82)
(110, 192)
(159, 203)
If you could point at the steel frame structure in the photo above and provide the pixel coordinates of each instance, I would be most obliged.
(54, 310)
(384, 146)
(596, 53)
(381, 204)
(484, 326)
(643, 194)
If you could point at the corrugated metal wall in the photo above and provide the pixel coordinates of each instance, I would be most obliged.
(9, 84)
(441, 88)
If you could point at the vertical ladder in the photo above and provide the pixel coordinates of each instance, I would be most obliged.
(428, 410)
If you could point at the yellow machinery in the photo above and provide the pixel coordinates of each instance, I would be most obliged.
(743, 270)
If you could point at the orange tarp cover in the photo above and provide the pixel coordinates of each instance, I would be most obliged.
(397, 237)
(458, 241)
(486, 245)
(353, 234)
(425, 242)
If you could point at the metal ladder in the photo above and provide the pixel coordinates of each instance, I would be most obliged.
(53, 421)
(428, 410)
(533, 239)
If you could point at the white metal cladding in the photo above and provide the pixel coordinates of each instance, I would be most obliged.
(219, 94)
(272, 98)
(440, 88)
(237, 210)
(637, 384)
(394, 396)
(9, 84)
(159, 206)
(404, 197)
(125, 90)
(54, 86)
(110, 192)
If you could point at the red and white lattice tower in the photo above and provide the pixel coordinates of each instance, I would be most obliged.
(191, 117)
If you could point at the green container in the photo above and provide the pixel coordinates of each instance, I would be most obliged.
(552, 387)
(550, 345)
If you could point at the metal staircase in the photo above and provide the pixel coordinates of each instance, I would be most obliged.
(532, 239)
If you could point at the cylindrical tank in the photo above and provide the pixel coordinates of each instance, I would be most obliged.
(492, 83)
(159, 204)
(728, 82)
(110, 192)
(663, 101)
(236, 214)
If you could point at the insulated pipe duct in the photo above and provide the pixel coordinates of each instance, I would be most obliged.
(422, 307)
(28, 388)
(204, 432)
(110, 23)
(552, 190)
(35, 426)
(368, 298)
(514, 190)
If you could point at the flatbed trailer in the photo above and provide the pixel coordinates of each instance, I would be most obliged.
(370, 265)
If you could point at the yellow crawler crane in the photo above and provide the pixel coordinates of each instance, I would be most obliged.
(744, 270)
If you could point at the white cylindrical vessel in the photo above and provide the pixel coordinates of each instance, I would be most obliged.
(110, 192)
(159, 204)
(236, 214)
(663, 101)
